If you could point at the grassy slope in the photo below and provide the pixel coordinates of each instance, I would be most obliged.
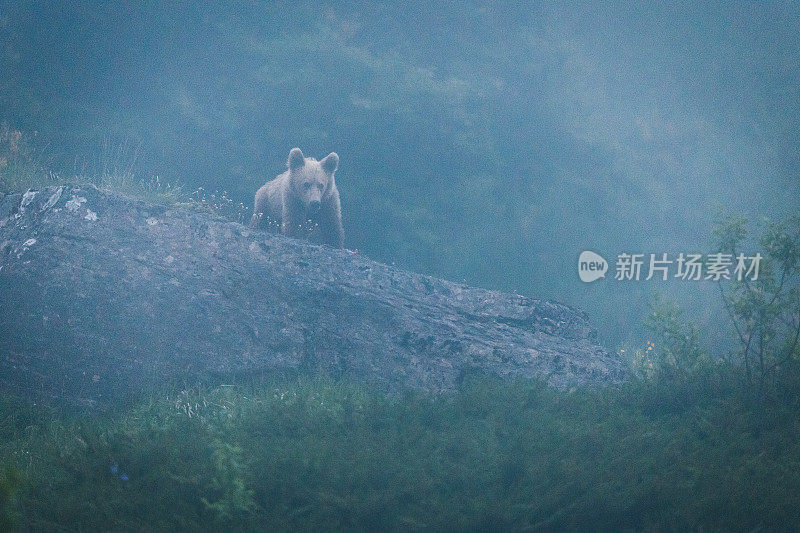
(315, 454)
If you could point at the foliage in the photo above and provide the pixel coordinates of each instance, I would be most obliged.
(765, 309)
(323, 455)
(679, 352)
(9, 484)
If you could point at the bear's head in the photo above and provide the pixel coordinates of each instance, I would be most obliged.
(311, 180)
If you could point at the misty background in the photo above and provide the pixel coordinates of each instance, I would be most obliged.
(479, 142)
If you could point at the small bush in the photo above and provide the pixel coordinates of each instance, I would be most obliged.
(765, 309)
(679, 353)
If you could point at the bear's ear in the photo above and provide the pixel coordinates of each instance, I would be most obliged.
(330, 163)
(296, 159)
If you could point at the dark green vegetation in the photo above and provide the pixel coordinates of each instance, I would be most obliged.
(765, 312)
(318, 455)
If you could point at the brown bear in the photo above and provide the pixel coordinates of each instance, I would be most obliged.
(303, 201)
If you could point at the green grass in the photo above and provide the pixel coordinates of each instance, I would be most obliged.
(321, 455)
(22, 175)
(23, 167)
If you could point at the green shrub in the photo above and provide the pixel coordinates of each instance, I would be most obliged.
(678, 341)
(10, 480)
(317, 454)
(765, 310)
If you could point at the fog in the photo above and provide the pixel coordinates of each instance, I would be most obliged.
(479, 143)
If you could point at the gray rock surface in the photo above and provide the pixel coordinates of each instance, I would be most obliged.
(103, 296)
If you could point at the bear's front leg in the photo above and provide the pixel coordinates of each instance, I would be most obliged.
(334, 236)
(331, 231)
(291, 221)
